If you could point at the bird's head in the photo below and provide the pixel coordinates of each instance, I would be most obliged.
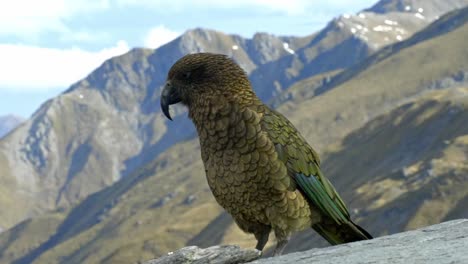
(203, 77)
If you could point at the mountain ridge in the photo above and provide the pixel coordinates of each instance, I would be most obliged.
(110, 117)
(8, 123)
(400, 174)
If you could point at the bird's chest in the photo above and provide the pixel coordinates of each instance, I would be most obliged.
(237, 181)
(240, 161)
(239, 173)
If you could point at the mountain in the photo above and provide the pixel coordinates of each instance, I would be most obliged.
(349, 39)
(416, 178)
(107, 125)
(407, 68)
(393, 141)
(9, 123)
(429, 9)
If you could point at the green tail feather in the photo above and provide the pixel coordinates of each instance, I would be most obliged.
(344, 233)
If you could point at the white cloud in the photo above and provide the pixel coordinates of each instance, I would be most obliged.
(291, 7)
(159, 36)
(26, 18)
(26, 67)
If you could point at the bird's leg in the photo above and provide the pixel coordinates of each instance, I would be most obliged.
(262, 237)
(280, 245)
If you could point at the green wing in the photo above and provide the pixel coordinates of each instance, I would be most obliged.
(304, 166)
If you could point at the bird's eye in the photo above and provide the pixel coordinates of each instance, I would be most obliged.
(192, 74)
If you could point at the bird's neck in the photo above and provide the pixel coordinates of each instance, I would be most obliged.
(217, 118)
(214, 107)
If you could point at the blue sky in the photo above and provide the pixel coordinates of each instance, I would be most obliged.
(47, 45)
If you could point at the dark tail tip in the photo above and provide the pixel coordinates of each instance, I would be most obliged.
(364, 232)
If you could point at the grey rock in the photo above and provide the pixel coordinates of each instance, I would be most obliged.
(190, 199)
(226, 254)
(442, 243)
(164, 200)
(459, 79)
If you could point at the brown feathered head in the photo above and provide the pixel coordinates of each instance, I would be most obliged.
(203, 77)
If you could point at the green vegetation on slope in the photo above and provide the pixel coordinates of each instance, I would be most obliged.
(28, 235)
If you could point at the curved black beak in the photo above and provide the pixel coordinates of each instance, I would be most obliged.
(169, 96)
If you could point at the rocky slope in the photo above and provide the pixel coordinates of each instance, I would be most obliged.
(381, 82)
(430, 9)
(348, 39)
(104, 127)
(398, 159)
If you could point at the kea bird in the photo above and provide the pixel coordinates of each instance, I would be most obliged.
(258, 166)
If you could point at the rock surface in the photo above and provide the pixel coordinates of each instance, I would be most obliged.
(443, 243)
(226, 254)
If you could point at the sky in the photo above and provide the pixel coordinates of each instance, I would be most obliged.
(47, 45)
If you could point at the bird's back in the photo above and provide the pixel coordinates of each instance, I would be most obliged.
(303, 166)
